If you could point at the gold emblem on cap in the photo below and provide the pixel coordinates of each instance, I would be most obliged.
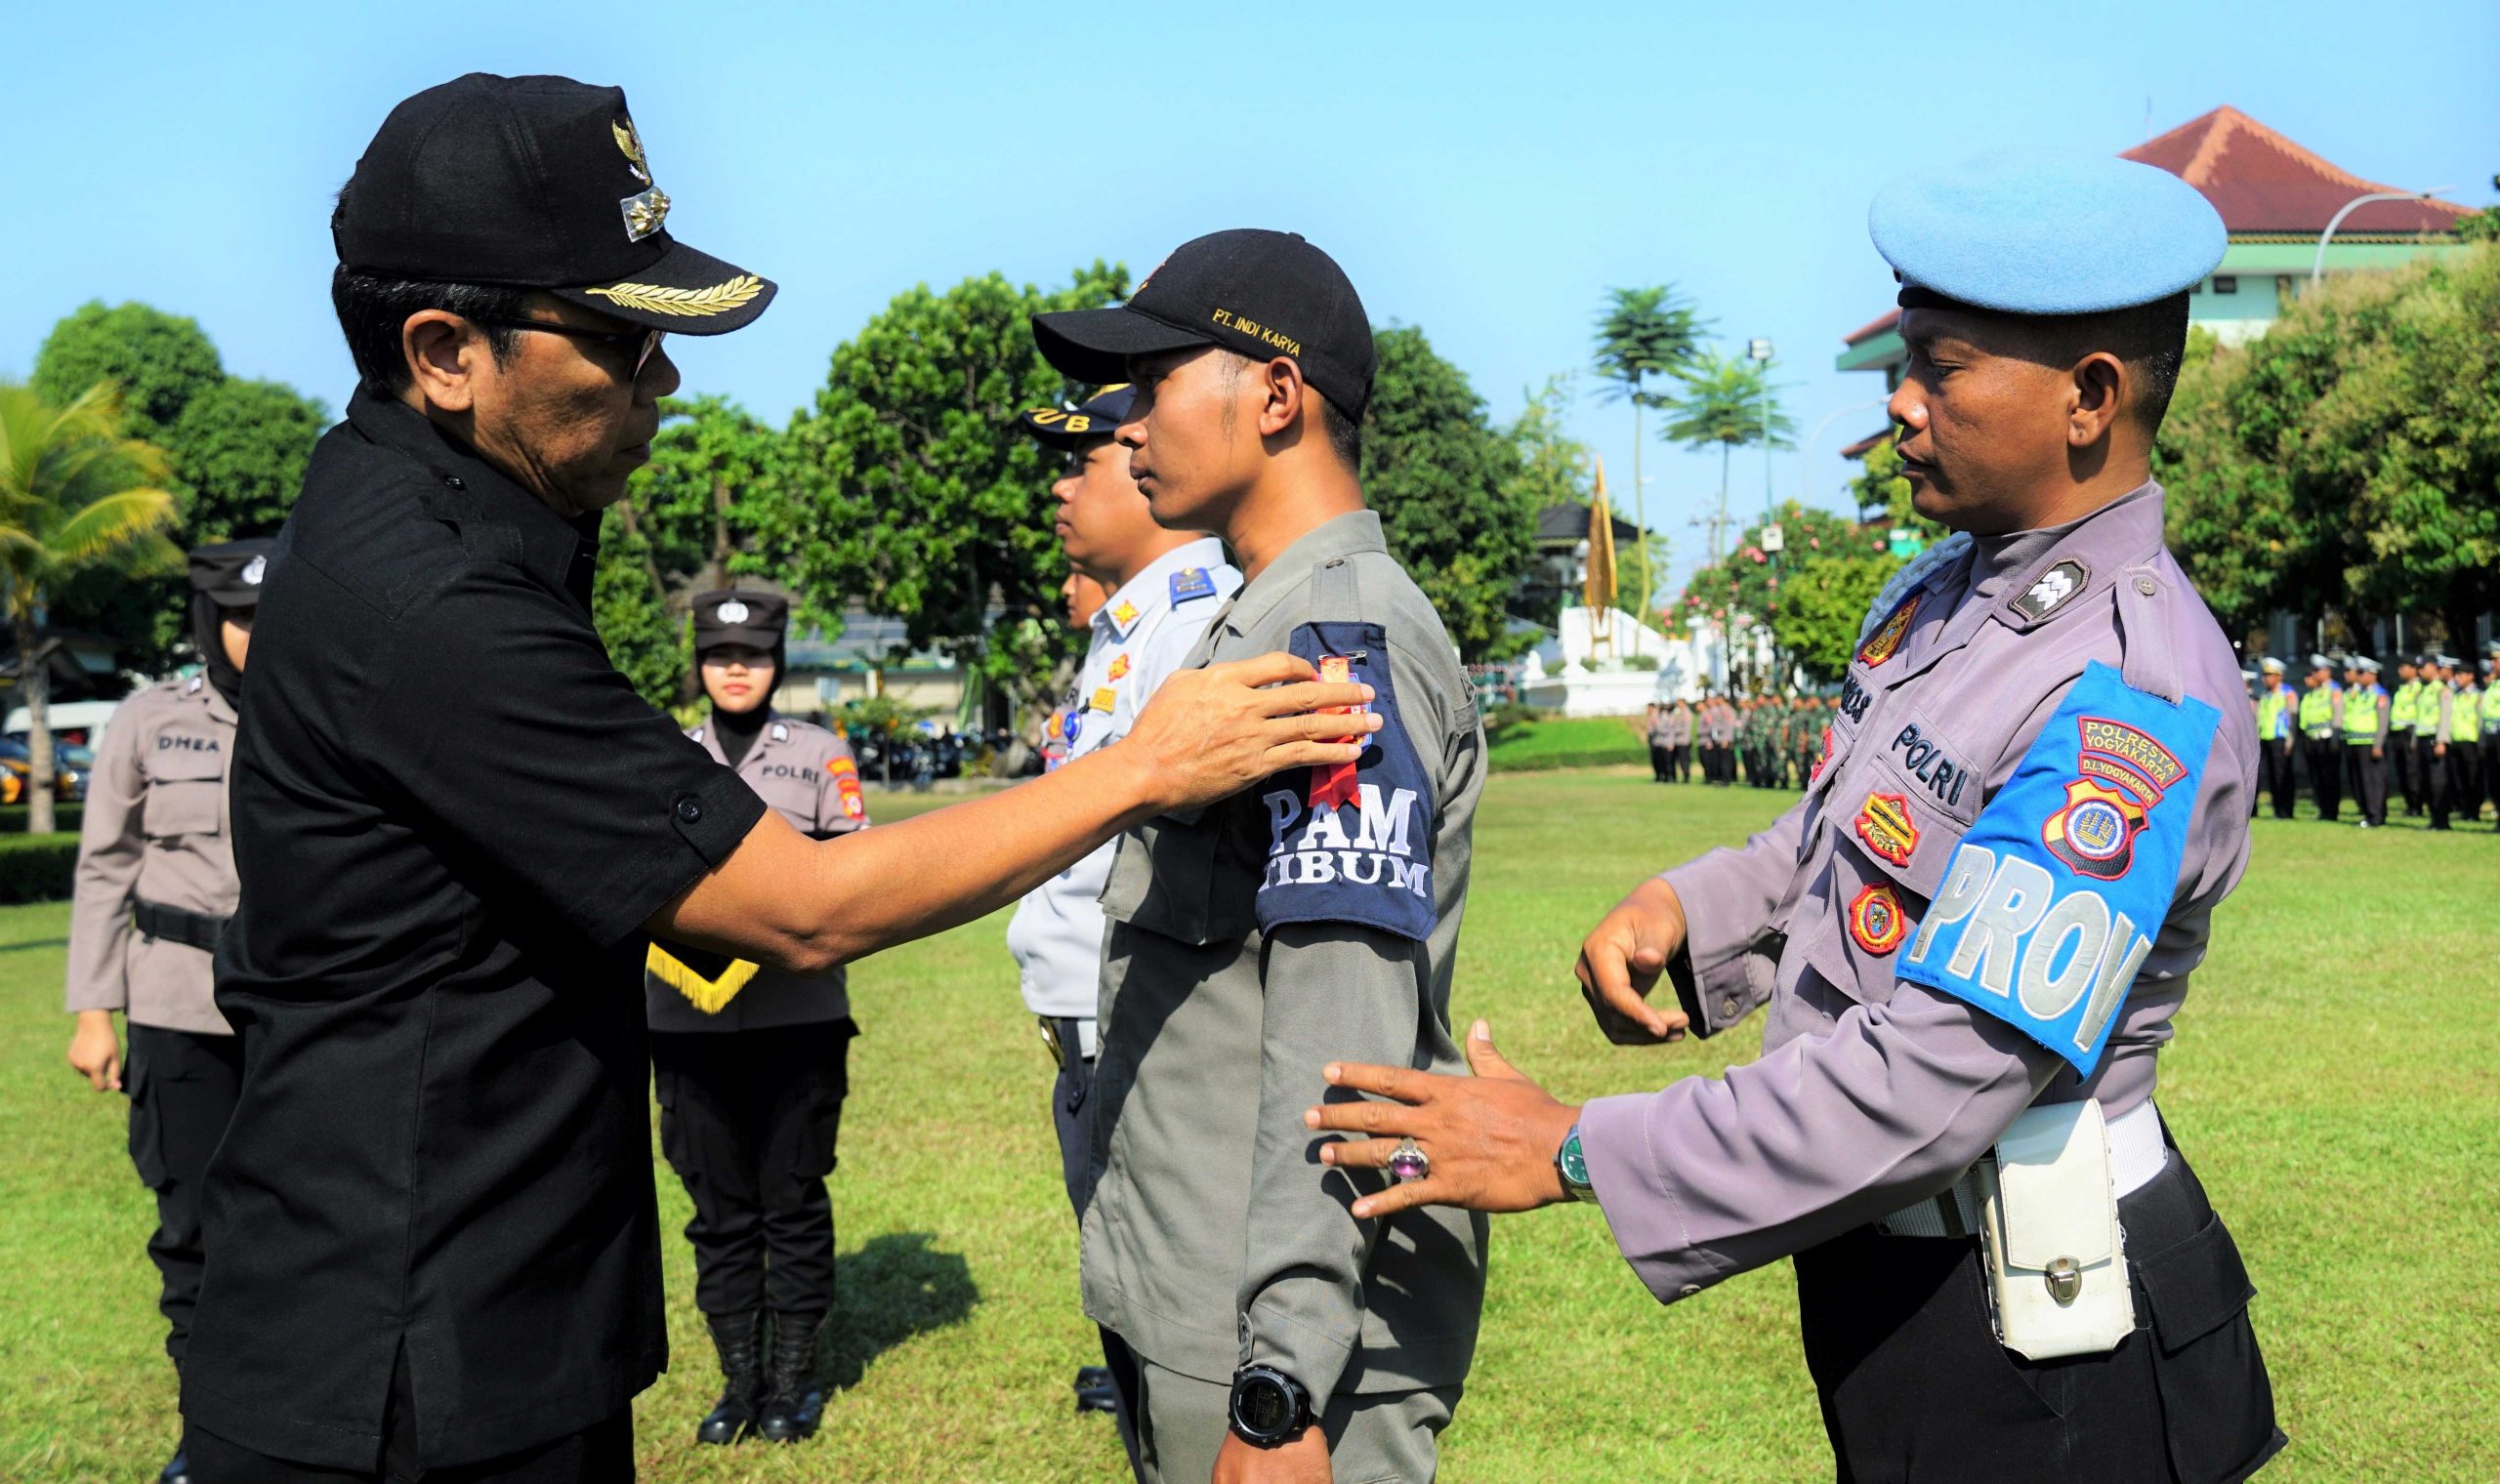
(651, 299)
(644, 214)
(632, 143)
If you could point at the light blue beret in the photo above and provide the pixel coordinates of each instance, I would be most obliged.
(2046, 232)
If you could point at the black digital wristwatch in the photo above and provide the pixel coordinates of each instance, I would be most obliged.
(1269, 1407)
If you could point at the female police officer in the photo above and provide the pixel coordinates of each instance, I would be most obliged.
(749, 1063)
(155, 885)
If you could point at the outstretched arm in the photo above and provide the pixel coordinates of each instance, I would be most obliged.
(805, 905)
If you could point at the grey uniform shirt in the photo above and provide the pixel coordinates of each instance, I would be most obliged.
(1140, 636)
(155, 830)
(1679, 727)
(1214, 1236)
(808, 776)
(1874, 1092)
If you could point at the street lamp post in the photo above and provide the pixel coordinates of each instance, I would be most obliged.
(2317, 267)
(1759, 351)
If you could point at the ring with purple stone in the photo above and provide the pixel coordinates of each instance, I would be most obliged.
(1409, 1161)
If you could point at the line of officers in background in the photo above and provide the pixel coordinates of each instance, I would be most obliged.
(1771, 742)
(2432, 741)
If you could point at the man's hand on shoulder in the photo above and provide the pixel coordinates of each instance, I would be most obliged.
(1209, 733)
(1304, 1461)
(1621, 962)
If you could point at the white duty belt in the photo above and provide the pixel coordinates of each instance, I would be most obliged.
(2137, 1154)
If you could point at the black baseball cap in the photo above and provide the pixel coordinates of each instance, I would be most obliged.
(534, 182)
(739, 616)
(229, 573)
(1089, 422)
(1263, 293)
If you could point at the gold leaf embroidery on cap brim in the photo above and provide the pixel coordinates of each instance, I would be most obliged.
(651, 299)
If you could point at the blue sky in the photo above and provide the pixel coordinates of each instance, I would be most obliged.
(1481, 172)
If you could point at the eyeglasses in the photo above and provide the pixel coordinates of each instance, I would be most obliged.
(646, 342)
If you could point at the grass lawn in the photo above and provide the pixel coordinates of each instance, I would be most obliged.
(2336, 1081)
(1566, 742)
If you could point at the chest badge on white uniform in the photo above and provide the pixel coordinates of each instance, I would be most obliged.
(1119, 667)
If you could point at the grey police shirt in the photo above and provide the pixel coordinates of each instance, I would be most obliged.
(1140, 636)
(156, 830)
(808, 776)
(1311, 918)
(2040, 693)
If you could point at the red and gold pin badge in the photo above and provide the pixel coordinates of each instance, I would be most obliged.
(1119, 666)
(1884, 823)
(1334, 783)
(1876, 922)
(1887, 640)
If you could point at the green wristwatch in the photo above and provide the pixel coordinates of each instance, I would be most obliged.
(1573, 1167)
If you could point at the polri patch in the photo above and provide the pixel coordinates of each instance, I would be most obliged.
(1884, 823)
(2055, 588)
(1876, 922)
(2051, 902)
(1190, 584)
(1886, 642)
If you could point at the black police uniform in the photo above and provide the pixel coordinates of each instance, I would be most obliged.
(751, 1084)
(432, 1237)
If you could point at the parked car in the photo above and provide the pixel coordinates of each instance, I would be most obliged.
(17, 767)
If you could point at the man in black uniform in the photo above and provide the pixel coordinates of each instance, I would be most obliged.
(432, 1238)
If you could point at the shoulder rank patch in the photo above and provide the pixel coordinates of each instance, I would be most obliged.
(2051, 902)
(1119, 667)
(1191, 583)
(846, 784)
(1875, 919)
(1884, 823)
(1886, 642)
(2055, 588)
(1352, 843)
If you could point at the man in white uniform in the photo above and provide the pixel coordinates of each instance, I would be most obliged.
(1164, 587)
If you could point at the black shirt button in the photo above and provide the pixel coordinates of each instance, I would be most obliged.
(690, 808)
(455, 481)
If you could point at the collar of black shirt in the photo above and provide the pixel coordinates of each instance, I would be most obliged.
(563, 550)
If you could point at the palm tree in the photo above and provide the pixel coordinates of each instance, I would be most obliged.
(1644, 333)
(75, 494)
(1727, 401)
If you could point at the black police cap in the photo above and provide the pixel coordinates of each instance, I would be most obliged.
(739, 616)
(1091, 421)
(229, 573)
(533, 182)
(1263, 293)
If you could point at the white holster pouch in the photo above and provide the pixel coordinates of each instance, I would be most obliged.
(2057, 1258)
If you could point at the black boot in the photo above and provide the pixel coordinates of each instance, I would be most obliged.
(794, 1400)
(178, 1470)
(740, 1338)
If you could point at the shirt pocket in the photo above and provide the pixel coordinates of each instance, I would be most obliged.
(1190, 881)
(1892, 839)
(186, 793)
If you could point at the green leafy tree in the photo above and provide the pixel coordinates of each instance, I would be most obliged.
(1728, 402)
(1814, 596)
(1642, 334)
(1447, 486)
(160, 361)
(2352, 450)
(236, 447)
(2484, 225)
(910, 490)
(74, 495)
(694, 518)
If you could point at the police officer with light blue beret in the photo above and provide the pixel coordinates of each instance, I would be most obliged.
(1973, 933)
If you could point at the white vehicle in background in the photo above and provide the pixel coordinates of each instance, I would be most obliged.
(72, 760)
(88, 717)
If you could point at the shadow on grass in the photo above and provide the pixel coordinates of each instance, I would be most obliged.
(885, 1293)
(34, 943)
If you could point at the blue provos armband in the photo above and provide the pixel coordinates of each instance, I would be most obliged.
(2052, 900)
(1352, 843)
